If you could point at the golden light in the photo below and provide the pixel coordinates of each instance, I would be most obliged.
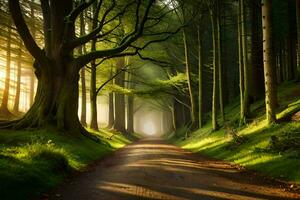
(149, 128)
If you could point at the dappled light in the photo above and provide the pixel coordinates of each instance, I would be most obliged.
(149, 99)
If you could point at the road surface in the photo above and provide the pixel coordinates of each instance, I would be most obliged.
(153, 169)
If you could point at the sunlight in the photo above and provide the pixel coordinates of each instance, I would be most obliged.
(149, 128)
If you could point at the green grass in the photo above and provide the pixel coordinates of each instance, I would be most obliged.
(256, 152)
(31, 162)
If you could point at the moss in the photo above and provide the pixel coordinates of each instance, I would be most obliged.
(31, 162)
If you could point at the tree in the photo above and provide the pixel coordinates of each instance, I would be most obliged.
(245, 104)
(57, 69)
(18, 82)
(119, 124)
(213, 10)
(4, 104)
(269, 64)
(200, 77)
(298, 33)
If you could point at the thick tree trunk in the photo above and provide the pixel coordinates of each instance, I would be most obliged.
(18, 83)
(298, 34)
(56, 101)
(269, 71)
(5, 98)
(120, 99)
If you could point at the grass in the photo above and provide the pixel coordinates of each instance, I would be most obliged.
(31, 162)
(257, 152)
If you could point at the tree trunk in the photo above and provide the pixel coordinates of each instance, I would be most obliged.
(298, 34)
(93, 89)
(220, 72)
(120, 99)
(130, 104)
(111, 117)
(18, 82)
(82, 50)
(269, 71)
(215, 125)
(257, 79)
(4, 104)
(130, 121)
(200, 77)
(93, 95)
(188, 75)
(246, 102)
(32, 75)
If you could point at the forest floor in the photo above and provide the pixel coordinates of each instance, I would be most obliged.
(154, 169)
(32, 162)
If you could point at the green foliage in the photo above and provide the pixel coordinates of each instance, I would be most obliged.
(33, 162)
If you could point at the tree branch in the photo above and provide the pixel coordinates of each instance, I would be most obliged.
(22, 28)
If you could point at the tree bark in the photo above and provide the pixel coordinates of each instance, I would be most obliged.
(130, 104)
(246, 103)
(93, 89)
(4, 104)
(298, 34)
(111, 117)
(189, 81)
(82, 50)
(269, 71)
(200, 78)
(18, 82)
(220, 72)
(215, 125)
(120, 99)
(257, 79)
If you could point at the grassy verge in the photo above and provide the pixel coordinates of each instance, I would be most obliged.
(271, 149)
(33, 161)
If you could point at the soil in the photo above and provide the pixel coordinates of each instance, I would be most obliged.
(154, 169)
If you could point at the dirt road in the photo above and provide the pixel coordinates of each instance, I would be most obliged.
(153, 169)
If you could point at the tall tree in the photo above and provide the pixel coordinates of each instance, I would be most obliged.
(298, 33)
(4, 104)
(81, 51)
(57, 70)
(213, 7)
(120, 98)
(269, 64)
(200, 77)
(257, 78)
(18, 81)
(245, 92)
(93, 81)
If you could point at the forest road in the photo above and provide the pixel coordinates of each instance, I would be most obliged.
(154, 169)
